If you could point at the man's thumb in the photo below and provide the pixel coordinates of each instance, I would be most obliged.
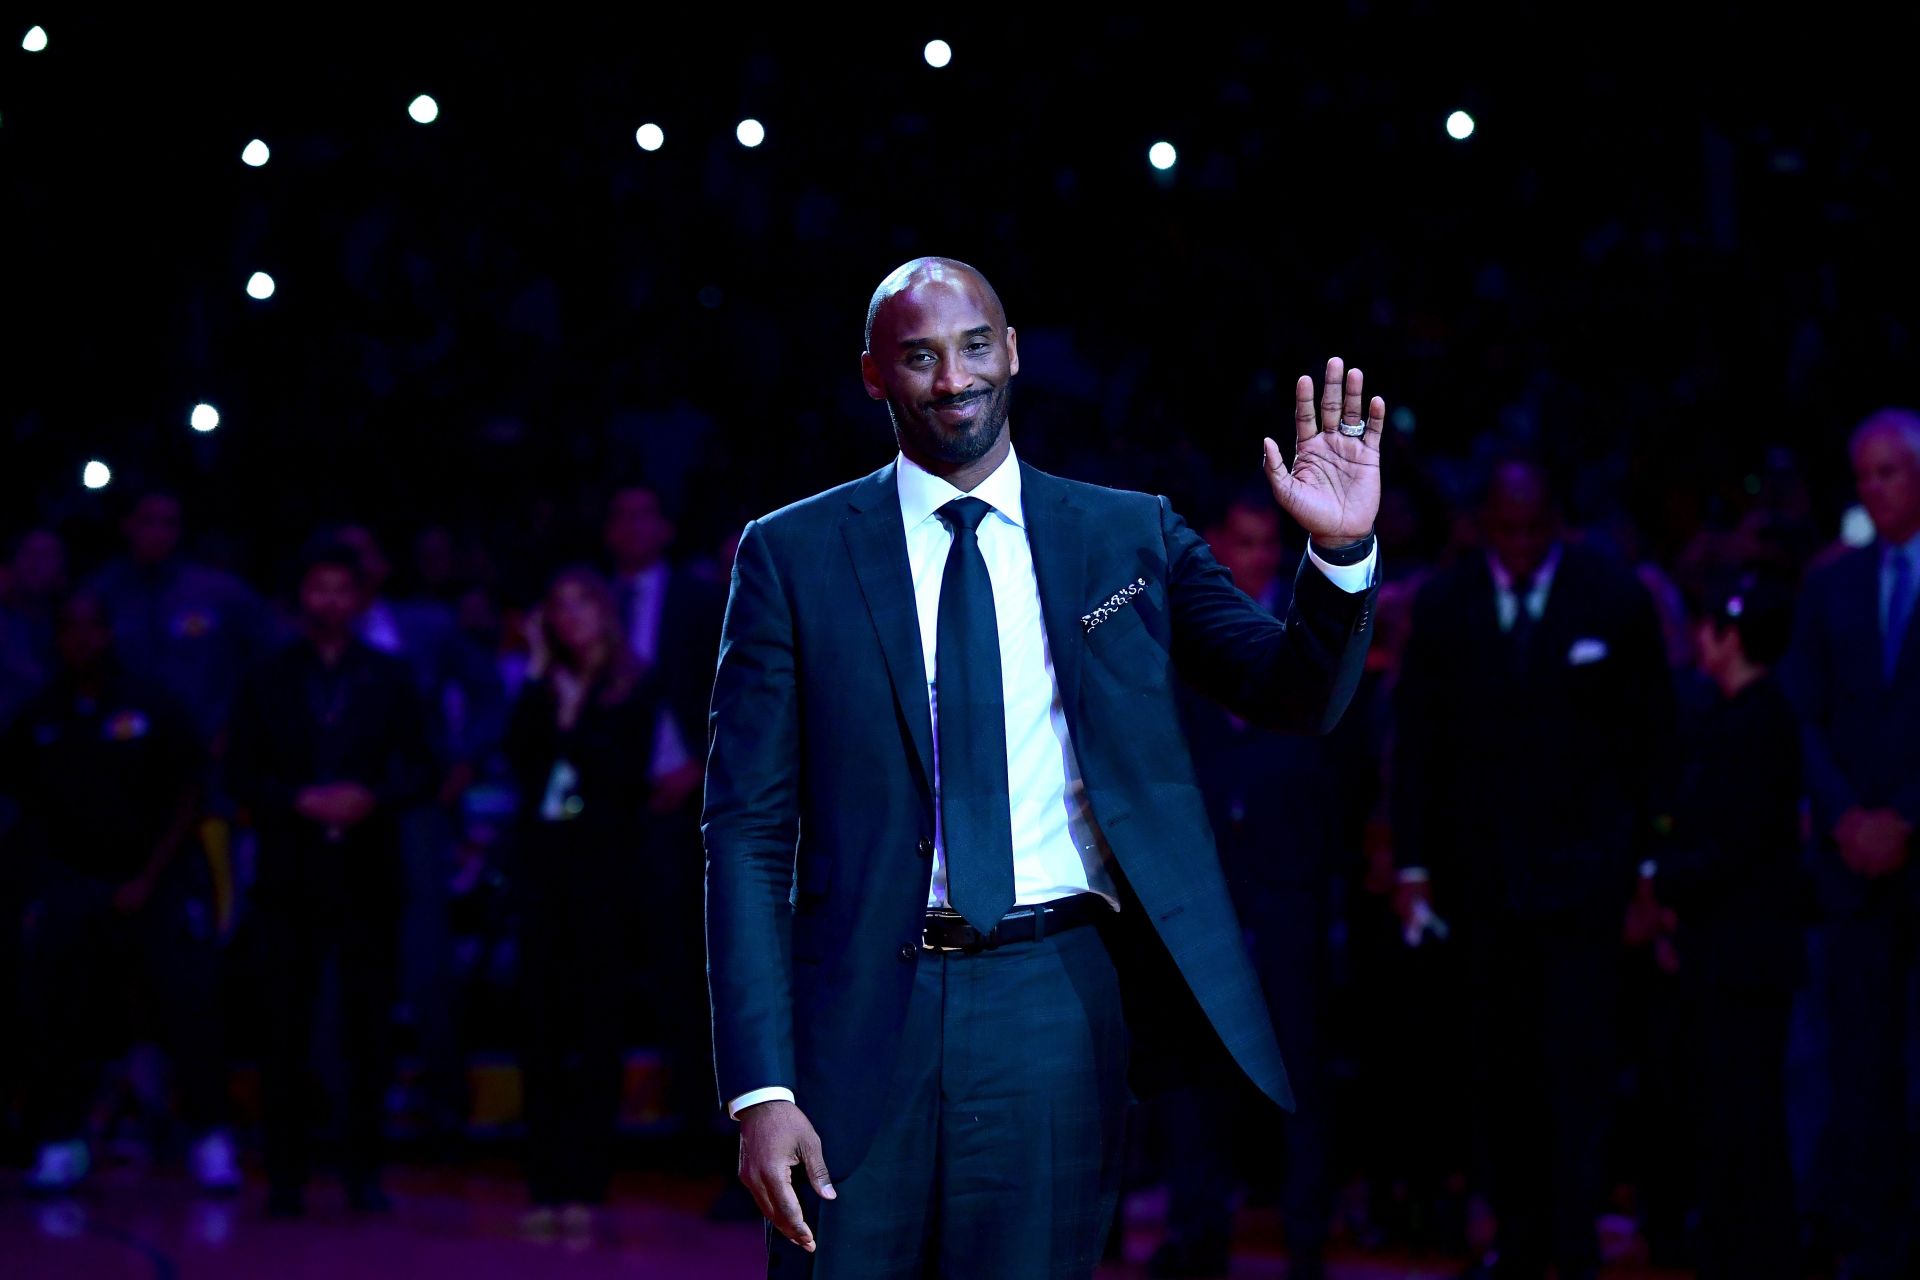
(816, 1164)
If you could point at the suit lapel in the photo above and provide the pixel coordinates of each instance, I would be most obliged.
(877, 544)
(1056, 532)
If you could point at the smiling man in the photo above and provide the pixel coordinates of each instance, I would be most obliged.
(958, 867)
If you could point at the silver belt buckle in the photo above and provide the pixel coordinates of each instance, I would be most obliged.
(927, 945)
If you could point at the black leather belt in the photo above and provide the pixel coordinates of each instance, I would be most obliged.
(948, 930)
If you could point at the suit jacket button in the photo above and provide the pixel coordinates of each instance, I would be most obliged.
(926, 846)
(908, 952)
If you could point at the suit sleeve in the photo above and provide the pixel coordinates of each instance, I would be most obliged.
(1295, 675)
(751, 824)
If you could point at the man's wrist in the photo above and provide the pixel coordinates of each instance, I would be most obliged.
(753, 1098)
(1344, 552)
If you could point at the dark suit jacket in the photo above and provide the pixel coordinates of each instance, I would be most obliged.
(819, 813)
(1528, 787)
(1862, 733)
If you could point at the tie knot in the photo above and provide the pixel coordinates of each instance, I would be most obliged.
(965, 513)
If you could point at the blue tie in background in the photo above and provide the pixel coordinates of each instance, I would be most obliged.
(976, 822)
(1899, 607)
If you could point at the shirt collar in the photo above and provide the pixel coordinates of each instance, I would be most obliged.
(922, 493)
(1542, 577)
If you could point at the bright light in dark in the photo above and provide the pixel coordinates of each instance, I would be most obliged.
(938, 53)
(1459, 126)
(751, 133)
(424, 110)
(1162, 156)
(651, 137)
(260, 286)
(35, 40)
(96, 475)
(204, 417)
(255, 155)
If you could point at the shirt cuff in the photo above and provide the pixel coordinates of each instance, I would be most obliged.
(773, 1093)
(1350, 578)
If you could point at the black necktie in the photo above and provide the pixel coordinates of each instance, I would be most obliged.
(975, 820)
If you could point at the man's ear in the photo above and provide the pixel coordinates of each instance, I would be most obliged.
(1013, 352)
(870, 375)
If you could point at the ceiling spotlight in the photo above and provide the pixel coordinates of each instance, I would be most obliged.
(35, 40)
(96, 474)
(938, 53)
(424, 110)
(255, 155)
(204, 417)
(1161, 156)
(259, 286)
(651, 137)
(750, 132)
(1459, 126)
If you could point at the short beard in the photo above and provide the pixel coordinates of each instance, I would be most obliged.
(956, 451)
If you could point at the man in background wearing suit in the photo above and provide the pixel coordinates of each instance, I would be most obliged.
(945, 748)
(1854, 672)
(1534, 709)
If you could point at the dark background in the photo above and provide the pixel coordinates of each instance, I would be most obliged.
(1680, 270)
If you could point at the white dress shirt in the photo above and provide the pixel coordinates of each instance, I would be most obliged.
(1058, 849)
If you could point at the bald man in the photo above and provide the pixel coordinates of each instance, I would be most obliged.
(1854, 671)
(958, 866)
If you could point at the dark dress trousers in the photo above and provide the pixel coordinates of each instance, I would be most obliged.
(819, 814)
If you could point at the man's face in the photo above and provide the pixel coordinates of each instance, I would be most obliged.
(153, 529)
(1247, 542)
(943, 360)
(638, 531)
(1886, 471)
(82, 636)
(1517, 522)
(330, 599)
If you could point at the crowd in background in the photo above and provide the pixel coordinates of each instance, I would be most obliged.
(1555, 925)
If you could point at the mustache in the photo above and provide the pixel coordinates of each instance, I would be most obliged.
(954, 402)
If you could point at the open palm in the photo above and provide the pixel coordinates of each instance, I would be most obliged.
(1333, 488)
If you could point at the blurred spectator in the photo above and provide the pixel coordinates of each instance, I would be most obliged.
(195, 630)
(672, 623)
(107, 771)
(30, 591)
(1727, 887)
(461, 696)
(329, 750)
(580, 742)
(1271, 801)
(1855, 676)
(1530, 830)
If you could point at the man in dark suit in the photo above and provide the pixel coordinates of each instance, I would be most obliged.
(945, 747)
(1534, 709)
(1854, 672)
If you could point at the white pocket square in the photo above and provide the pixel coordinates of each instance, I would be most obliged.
(1115, 603)
(1585, 651)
